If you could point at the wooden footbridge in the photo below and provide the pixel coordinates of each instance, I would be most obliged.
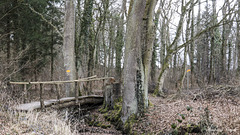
(60, 102)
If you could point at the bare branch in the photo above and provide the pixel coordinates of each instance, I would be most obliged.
(41, 15)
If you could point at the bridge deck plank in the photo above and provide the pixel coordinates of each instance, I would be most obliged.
(36, 105)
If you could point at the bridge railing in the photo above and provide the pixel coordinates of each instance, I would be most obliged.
(57, 85)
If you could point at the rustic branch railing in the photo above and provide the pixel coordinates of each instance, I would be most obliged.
(57, 85)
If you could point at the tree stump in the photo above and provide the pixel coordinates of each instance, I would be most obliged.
(112, 92)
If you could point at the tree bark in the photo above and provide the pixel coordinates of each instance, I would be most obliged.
(185, 54)
(148, 46)
(238, 36)
(68, 47)
(132, 59)
(192, 47)
(158, 91)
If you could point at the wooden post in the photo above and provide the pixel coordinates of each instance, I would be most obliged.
(41, 96)
(25, 93)
(188, 78)
(58, 91)
(76, 92)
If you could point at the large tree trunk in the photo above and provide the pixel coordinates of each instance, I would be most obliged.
(68, 47)
(132, 60)
(238, 36)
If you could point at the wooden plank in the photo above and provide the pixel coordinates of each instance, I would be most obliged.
(65, 102)
(19, 82)
(66, 99)
(83, 101)
(33, 105)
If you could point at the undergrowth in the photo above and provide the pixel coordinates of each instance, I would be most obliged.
(23, 123)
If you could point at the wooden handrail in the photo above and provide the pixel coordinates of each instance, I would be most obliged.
(57, 83)
(68, 81)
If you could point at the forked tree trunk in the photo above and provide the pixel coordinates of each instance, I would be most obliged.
(171, 50)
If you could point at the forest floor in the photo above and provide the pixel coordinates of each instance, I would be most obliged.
(220, 115)
(216, 108)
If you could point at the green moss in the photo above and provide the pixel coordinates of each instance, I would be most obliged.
(117, 107)
(155, 93)
(175, 132)
(119, 100)
(150, 103)
(129, 123)
(91, 123)
(105, 126)
(114, 116)
(97, 124)
(103, 109)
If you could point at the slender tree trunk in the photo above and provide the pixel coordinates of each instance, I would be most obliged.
(120, 41)
(163, 42)
(185, 54)
(78, 40)
(154, 53)
(213, 42)
(105, 7)
(184, 69)
(52, 57)
(198, 70)
(149, 42)
(192, 47)
(170, 50)
(8, 39)
(224, 44)
(229, 55)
